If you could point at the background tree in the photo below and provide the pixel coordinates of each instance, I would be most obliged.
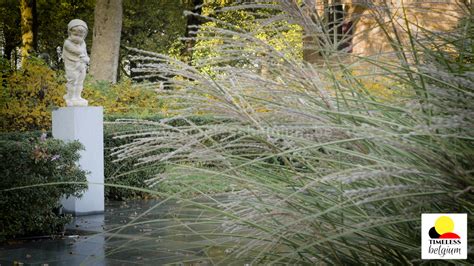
(153, 26)
(192, 22)
(53, 16)
(106, 40)
(9, 20)
(28, 27)
(49, 29)
(323, 30)
(243, 17)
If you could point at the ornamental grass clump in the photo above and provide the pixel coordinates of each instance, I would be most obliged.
(327, 171)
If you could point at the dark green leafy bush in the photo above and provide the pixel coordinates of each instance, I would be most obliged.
(26, 206)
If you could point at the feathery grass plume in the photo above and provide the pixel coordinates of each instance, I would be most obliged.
(328, 172)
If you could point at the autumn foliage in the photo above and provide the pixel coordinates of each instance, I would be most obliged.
(27, 97)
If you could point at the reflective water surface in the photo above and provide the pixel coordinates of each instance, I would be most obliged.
(138, 232)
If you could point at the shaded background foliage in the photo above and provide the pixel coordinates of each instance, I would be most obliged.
(52, 19)
(147, 24)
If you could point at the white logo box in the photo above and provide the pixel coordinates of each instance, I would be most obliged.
(444, 248)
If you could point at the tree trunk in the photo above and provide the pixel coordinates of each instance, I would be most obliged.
(28, 10)
(311, 53)
(335, 24)
(106, 40)
(3, 42)
(191, 22)
(35, 25)
(331, 18)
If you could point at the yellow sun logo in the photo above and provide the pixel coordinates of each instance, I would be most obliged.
(443, 229)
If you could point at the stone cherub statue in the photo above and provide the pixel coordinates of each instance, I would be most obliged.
(75, 61)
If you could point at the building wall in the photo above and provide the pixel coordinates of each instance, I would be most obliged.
(399, 16)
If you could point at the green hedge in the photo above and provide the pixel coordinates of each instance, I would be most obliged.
(125, 172)
(28, 160)
(196, 119)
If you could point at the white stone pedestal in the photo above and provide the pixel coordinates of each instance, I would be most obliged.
(84, 124)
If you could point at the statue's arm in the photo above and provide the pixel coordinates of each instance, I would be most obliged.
(72, 48)
(84, 55)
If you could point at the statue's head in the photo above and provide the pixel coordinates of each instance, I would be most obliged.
(77, 30)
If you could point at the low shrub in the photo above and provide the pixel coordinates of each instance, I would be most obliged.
(122, 98)
(26, 206)
(27, 97)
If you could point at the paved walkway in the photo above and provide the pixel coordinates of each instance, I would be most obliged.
(104, 240)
